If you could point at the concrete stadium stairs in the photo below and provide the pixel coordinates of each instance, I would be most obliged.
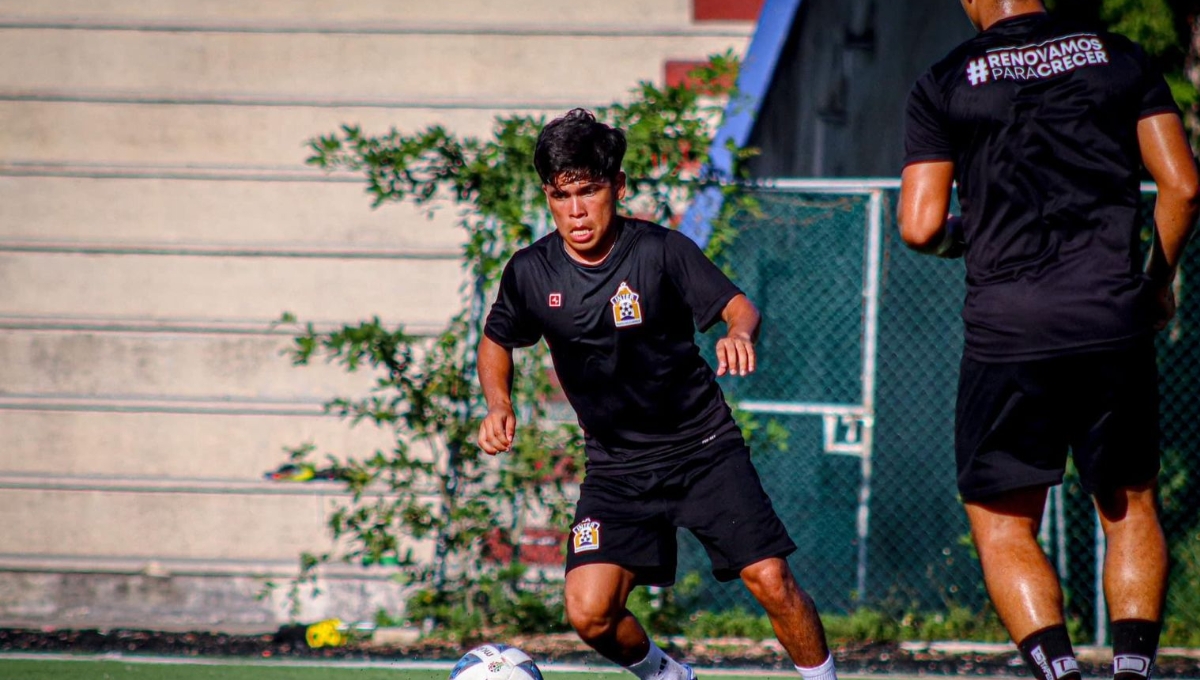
(156, 217)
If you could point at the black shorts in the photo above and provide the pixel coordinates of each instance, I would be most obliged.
(630, 519)
(1016, 421)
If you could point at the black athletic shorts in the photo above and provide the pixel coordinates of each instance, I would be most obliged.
(630, 519)
(1016, 421)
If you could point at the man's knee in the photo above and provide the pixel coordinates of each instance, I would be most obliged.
(771, 582)
(1007, 520)
(592, 617)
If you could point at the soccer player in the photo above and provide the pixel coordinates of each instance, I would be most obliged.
(1046, 127)
(618, 301)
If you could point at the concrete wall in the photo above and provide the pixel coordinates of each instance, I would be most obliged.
(836, 105)
(155, 218)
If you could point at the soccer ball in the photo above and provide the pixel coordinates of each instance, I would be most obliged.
(495, 662)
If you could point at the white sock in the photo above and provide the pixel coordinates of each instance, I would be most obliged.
(823, 672)
(657, 666)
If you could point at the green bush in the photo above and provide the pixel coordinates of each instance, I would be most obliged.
(731, 623)
(960, 623)
(862, 625)
(1182, 625)
(492, 607)
(664, 611)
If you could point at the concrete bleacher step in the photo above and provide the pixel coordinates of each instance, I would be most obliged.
(199, 524)
(172, 445)
(354, 12)
(168, 525)
(180, 597)
(330, 68)
(272, 214)
(420, 293)
(169, 366)
(159, 134)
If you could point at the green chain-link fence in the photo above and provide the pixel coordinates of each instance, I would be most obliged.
(859, 362)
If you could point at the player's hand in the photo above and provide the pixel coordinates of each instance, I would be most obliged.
(497, 430)
(735, 355)
(953, 245)
(1165, 297)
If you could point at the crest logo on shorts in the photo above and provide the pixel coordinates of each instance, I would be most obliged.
(585, 536)
(627, 311)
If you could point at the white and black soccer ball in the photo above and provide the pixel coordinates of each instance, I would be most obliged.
(495, 662)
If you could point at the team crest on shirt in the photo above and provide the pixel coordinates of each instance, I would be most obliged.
(627, 311)
(585, 536)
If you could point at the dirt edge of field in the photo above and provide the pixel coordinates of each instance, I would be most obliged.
(956, 658)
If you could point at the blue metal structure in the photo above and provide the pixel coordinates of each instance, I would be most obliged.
(758, 69)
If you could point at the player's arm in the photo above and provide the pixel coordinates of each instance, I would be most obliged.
(924, 205)
(735, 351)
(1168, 159)
(499, 426)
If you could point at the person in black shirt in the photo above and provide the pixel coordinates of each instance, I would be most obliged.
(1046, 127)
(618, 301)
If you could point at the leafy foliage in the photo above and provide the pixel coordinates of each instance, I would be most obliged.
(861, 625)
(1182, 624)
(1150, 23)
(434, 487)
(1163, 27)
(665, 611)
(735, 622)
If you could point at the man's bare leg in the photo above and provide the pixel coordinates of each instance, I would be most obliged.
(792, 612)
(1135, 576)
(595, 597)
(1021, 582)
(1135, 563)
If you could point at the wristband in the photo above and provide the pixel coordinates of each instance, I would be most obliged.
(952, 245)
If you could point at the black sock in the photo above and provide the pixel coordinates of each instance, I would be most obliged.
(1049, 655)
(1135, 644)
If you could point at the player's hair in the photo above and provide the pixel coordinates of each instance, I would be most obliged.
(577, 146)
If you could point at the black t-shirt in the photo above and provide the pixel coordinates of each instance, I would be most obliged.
(622, 336)
(1040, 119)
